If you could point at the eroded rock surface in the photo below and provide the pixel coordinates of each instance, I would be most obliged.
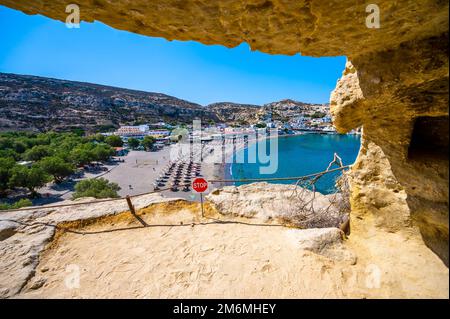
(400, 97)
(25, 235)
(267, 202)
(312, 27)
(221, 254)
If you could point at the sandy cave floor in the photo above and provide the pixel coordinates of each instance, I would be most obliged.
(214, 260)
(118, 259)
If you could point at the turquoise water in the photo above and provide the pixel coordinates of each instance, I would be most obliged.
(302, 155)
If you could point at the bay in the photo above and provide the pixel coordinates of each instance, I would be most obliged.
(301, 155)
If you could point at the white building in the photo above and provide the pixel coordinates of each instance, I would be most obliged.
(127, 131)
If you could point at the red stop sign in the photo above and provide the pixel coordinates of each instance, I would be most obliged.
(200, 185)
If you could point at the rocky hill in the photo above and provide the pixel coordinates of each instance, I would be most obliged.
(282, 110)
(236, 113)
(285, 109)
(40, 104)
(37, 103)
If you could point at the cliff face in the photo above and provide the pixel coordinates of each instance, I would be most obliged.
(400, 96)
(396, 86)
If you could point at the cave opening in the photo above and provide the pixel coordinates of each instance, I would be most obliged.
(429, 138)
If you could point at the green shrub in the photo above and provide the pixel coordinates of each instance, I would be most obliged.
(261, 125)
(97, 188)
(318, 115)
(133, 143)
(6, 166)
(24, 202)
(148, 142)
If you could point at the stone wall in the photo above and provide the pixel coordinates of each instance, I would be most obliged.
(396, 85)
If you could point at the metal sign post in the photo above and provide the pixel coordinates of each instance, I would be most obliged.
(200, 185)
(201, 203)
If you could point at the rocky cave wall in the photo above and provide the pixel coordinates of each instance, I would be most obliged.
(395, 85)
(400, 97)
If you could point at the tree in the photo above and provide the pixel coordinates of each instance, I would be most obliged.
(102, 152)
(97, 188)
(100, 138)
(261, 125)
(56, 167)
(6, 143)
(9, 153)
(148, 142)
(133, 143)
(31, 178)
(19, 146)
(81, 156)
(6, 165)
(114, 141)
(37, 152)
(78, 131)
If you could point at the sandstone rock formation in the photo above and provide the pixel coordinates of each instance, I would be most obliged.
(24, 235)
(396, 86)
(400, 97)
(268, 202)
(183, 254)
(310, 27)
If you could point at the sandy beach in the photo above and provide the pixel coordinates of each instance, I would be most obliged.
(137, 172)
(141, 169)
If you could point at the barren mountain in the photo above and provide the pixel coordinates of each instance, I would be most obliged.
(37, 103)
(40, 104)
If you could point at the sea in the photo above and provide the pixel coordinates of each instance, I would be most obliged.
(298, 156)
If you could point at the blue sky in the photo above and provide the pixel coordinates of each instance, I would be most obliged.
(199, 73)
